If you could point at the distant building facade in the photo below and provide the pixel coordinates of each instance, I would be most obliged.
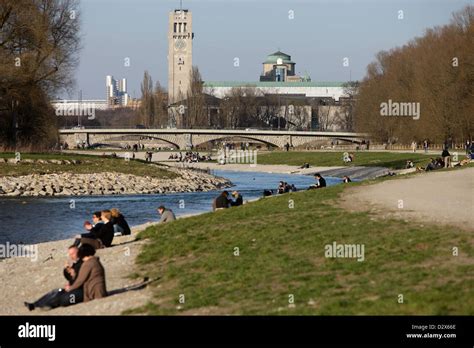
(116, 91)
(334, 90)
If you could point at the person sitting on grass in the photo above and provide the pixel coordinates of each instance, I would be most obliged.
(167, 215)
(431, 165)
(346, 179)
(91, 275)
(121, 227)
(321, 182)
(238, 199)
(59, 297)
(221, 201)
(281, 187)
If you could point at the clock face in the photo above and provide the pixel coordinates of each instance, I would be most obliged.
(180, 44)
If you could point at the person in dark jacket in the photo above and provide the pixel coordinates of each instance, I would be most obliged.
(121, 227)
(222, 201)
(59, 297)
(104, 236)
(238, 199)
(446, 157)
(321, 182)
(95, 227)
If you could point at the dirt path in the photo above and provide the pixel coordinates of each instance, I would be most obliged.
(438, 197)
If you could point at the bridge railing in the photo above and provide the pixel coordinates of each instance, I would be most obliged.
(198, 128)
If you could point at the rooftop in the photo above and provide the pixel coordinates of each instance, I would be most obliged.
(273, 58)
(272, 84)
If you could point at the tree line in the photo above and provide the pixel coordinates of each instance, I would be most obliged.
(434, 72)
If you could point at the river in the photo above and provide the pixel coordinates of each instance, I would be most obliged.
(34, 220)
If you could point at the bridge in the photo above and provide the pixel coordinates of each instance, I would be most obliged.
(185, 138)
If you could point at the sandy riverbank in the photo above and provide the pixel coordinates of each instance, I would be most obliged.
(23, 280)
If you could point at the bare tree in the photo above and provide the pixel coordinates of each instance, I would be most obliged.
(39, 40)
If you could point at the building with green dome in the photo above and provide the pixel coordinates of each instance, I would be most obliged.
(278, 67)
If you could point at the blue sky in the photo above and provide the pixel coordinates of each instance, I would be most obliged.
(318, 38)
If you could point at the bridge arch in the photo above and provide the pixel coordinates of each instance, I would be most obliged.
(122, 138)
(203, 139)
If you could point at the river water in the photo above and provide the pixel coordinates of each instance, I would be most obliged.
(34, 220)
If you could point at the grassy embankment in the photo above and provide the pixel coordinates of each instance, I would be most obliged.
(392, 160)
(282, 253)
(88, 164)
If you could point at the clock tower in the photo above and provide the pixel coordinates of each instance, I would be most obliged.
(180, 54)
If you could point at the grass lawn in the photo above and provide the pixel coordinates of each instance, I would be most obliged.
(390, 160)
(89, 164)
(282, 254)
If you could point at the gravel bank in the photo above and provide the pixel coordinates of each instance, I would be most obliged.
(22, 279)
(108, 183)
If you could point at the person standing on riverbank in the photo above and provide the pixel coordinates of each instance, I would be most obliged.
(167, 215)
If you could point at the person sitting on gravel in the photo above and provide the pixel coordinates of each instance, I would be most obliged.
(167, 215)
(222, 201)
(91, 275)
(321, 182)
(121, 227)
(59, 297)
(94, 227)
(104, 236)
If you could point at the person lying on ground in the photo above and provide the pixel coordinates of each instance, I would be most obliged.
(59, 297)
(167, 215)
(91, 275)
(121, 227)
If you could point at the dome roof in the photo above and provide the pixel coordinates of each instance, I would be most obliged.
(273, 58)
